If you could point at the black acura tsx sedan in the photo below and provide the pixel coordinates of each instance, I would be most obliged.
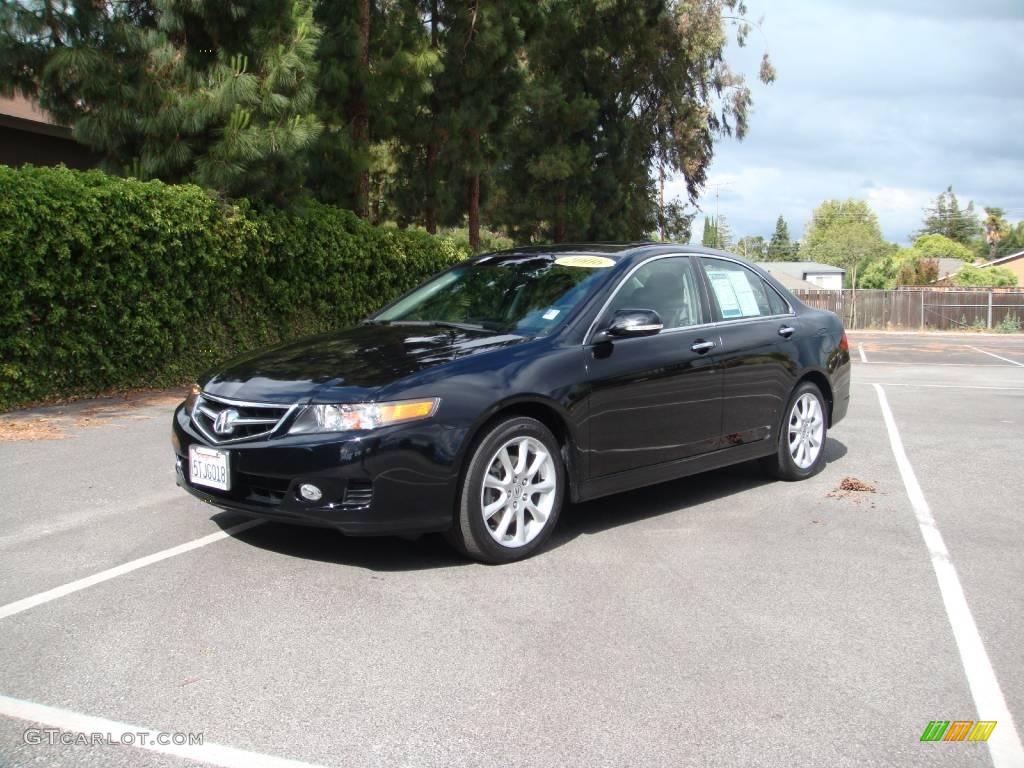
(481, 401)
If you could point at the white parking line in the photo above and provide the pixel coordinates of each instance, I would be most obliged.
(945, 386)
(1004, 744)
(863, 357)
(52, 594)
(113, 731)
(998, 357)
(937, 365)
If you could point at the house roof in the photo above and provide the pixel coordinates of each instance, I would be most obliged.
(1001, 259)
(794, 283)
(800, 268)
(25, 114)
(949, 267)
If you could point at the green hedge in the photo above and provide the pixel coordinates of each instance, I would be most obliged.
(109, 283)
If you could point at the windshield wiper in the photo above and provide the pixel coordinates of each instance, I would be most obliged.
(442, 324)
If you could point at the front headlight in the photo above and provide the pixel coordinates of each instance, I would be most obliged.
(346, 417)
(190, 400)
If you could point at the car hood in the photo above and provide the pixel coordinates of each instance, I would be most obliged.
(360, 359)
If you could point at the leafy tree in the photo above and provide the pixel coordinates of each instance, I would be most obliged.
(946, 217)
(989, 277)
(844, 234)
(917, 265)
(780, 248)
(752, 247)
(917, 271)
(675, 221)
(1013, 241)
(880, 273)
(614, 90)
(941, 247)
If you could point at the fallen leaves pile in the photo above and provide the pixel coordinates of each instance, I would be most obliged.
(853, 484)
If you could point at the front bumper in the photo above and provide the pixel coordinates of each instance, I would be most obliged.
(395, 480)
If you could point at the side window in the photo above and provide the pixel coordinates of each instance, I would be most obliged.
(740, 293)
(775, 301)
(668, 286)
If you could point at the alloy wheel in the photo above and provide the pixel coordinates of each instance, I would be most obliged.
(519, 491)
(806, 430)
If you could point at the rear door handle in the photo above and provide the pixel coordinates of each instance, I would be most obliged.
(786, 331)
(700, 346)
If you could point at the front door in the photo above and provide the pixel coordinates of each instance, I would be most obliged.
(654, 399)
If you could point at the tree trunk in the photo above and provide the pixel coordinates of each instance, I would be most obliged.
(474, 212)
(430, 203)
(560, 204)
(853, 318)
(377, 187)
(661, 202)
(361, 111)
(429, 177)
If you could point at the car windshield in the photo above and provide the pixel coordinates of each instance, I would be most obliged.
(528, 296)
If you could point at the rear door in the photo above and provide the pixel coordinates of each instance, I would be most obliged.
(654, 399)
(756, 353)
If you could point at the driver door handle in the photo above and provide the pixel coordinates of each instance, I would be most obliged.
(700, 346)
(786, 331)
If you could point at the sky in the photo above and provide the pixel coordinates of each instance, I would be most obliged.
(890, 101)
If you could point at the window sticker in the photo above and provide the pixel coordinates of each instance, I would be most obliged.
(551, 314)
(728, 303)
(587, 262)
(744, 293)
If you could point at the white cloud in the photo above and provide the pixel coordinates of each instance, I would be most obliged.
(884, 104)
(896, 206)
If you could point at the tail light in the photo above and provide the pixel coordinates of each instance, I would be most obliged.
(844, 343)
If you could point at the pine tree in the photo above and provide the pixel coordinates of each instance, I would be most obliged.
(780, 248)
(615, 90)
(946, 217)
(181, 91)
(710, 236)
(372, 96)
(723, 233)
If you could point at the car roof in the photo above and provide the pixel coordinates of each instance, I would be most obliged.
(616, 251)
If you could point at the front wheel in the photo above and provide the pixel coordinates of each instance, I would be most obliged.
(511, 494)
(801, 450)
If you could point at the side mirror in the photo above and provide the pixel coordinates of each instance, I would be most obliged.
(630, 323)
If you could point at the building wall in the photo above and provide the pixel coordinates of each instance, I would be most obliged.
(19, 147)
(833, 282)
(1017, 267)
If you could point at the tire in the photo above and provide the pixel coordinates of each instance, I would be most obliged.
(498, 471)
(801, 449)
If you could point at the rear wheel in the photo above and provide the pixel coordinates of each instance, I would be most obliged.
(801, 450)
(512, 492)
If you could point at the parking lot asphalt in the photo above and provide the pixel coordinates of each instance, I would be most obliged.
(720, 620)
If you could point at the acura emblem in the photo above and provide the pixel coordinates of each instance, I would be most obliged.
(225, 421)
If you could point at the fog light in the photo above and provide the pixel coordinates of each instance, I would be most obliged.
(310, 492)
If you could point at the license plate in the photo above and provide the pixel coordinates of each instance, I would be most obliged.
(208, 467)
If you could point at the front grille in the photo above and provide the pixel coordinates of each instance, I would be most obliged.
(231, 421)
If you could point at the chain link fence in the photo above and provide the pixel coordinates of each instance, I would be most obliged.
(923, 308)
